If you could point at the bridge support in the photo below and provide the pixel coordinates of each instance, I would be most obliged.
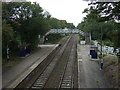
(88, 38)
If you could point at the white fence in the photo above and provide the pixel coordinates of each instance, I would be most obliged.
(106, 49)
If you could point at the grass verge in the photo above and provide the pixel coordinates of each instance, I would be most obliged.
(111, 70)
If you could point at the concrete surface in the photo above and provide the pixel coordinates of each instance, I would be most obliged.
(89, 73)
(17, 73)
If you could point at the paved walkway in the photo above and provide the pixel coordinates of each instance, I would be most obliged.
(89, 73)
(26, 66)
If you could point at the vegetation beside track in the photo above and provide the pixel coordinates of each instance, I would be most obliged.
(111, 70)
(55, 38)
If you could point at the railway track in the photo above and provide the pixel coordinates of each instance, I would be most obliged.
(58, 70)
(69, 80)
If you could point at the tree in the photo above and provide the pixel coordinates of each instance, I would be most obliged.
(27, 20)
(70, 25)
(109, 11)
(24, 21)
(101, 15)
(7, 36)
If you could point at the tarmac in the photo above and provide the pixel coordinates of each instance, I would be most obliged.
(89, 73)
(12, 77)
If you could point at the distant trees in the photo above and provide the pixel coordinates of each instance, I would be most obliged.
(58, 24)
(22, 22)
(70, 25)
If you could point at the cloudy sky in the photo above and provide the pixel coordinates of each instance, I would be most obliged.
(69, 10)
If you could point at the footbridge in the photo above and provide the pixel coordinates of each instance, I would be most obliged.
(65, 31)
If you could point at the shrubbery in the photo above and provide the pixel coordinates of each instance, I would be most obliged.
(53, 38)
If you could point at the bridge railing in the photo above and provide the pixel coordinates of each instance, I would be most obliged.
(65, 31)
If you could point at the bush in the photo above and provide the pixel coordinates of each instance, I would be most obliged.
(108, 43)
(82, 37)
(13, 49)
(100, 56)
(53, 38)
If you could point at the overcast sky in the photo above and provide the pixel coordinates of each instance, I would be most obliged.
(69, 10)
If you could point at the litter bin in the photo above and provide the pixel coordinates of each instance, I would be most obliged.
(93, 52)
(22, 53)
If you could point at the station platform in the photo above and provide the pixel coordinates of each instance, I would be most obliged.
(12, 77)
(89, 73)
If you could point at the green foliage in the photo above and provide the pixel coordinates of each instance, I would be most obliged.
(101, 21)
(97, 81)
(81, 37)
(7, 36)
(100, 56)
(7, 31)
(109, 12)
(115, 35)
(53, 38)
(58, 24)
(24, 21)
(8, 39)
(70, 25)
(108, 43)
